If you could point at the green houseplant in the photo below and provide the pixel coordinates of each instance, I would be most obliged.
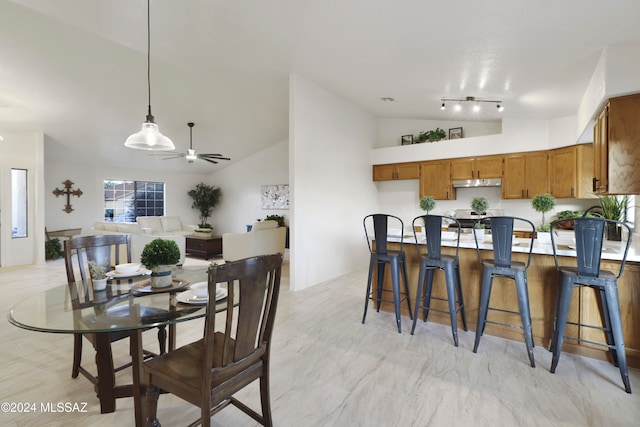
(160, 255)
(205, 198)
(427, 203)
(430, 136)
(543, 203)
(615, 208)
(277, 218)
(480, 205)
(53, 249)
(98, 276)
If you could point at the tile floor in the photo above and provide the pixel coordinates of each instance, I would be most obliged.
(330, 370)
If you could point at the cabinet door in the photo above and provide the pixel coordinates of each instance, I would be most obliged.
(563, 172)
(623, 145)
(600, 146)
(463, 168)
(513, 181)
(384, 172)
(536, 174)
(408, 171)
(435, 181)
(488, 167)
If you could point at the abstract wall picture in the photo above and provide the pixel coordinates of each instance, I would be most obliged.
(275, 196)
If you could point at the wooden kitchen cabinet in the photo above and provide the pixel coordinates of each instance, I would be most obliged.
(477, 167)
(570, 171)
(435, 181)
(616, 143)
(525, 175)
(394, 171)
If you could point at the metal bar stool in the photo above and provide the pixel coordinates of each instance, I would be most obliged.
(501, 265)
(381, 256)
(589, 234)
(432, 259)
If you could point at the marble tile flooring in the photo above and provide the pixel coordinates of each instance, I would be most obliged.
(330, 370)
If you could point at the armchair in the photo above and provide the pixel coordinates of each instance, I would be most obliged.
(265, 238)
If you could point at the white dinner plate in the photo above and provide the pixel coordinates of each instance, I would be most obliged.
(188, 297)
(115, 275)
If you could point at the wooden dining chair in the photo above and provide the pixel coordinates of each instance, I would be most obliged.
(208, 372)
(98, 248)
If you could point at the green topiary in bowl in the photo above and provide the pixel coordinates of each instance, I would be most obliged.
(160, 252)
(427, 203)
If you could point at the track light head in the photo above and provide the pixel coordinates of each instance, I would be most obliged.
(443, 107)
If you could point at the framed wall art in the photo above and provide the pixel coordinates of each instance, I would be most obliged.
(275, 196)
(406, 139)
(455, 133)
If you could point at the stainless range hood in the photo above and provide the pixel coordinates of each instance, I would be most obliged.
(463, 183)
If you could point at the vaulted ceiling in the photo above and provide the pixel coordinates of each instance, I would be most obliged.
(76, 69)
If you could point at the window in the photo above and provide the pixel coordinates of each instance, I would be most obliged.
(124, 201)
(18, 203)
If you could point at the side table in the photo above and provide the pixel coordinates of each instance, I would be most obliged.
(204, 244)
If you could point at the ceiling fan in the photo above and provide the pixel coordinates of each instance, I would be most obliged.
(191, 154)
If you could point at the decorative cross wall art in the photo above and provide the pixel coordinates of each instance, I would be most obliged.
(275, 196)
(69, 192)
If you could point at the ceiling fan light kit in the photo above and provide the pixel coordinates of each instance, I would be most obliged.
(149, 137)
(475, 101)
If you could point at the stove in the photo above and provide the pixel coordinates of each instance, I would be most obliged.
(467, 217)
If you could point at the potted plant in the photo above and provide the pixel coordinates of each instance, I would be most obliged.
(478, 231)
(277, 218)
(427, 204)
(159, 256)
(205, 198)
(431, 136)
(480, 205)
(543, 203)
(615, 208)
(98, 276)
(53, 249)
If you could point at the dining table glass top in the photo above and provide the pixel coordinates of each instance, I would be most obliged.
(126, 304)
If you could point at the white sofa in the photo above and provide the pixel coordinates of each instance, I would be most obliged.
(264, 238)
(147, 229)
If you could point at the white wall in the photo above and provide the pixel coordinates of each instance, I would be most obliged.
(331, 187)
(240, 183)
(391, 130)
(22, 151)
(89, 208)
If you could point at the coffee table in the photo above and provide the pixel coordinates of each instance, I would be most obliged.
(205, 245)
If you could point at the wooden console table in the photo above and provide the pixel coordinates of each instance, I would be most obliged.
(205, 245)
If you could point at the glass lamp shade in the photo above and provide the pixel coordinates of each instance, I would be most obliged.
(149, 138)
(191, 154)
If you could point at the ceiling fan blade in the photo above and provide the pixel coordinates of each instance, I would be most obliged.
(174, 157)
(215, 156)
(207, 160)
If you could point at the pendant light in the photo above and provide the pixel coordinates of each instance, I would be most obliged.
(149, 137)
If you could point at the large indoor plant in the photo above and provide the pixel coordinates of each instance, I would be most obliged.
(205, 198)
(160, 255)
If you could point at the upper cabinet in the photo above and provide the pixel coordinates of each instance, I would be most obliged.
(476, 167)
(525, 175)
(616, 143)
(435, 181)
(570, 171)
(395, 171)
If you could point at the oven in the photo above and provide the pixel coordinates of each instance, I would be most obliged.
(467, 218)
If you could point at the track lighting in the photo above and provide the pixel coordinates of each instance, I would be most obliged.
(476, 103)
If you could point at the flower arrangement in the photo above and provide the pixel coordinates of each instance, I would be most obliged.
(427, 203)
(97, 272)
(160, 252)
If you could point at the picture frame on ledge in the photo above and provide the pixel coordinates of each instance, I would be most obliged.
(455, 133)
(406, 140)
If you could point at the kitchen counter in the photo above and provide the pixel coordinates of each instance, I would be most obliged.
(542, 278)
(564, 241)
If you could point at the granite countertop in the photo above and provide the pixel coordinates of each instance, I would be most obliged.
(564, 242)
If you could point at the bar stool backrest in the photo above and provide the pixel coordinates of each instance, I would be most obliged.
(381, 231)
(589, 235)
(502, 239)
(433, 232)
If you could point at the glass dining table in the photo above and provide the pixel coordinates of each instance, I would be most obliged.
(128, 304)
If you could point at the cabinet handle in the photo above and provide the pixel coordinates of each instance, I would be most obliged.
(527, 193)
(594, 183)
(572, 192)
(522, 192)
(478, 174)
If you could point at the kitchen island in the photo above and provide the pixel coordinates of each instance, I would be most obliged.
(542, 282)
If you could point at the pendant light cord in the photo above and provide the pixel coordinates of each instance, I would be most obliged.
(149, 116)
